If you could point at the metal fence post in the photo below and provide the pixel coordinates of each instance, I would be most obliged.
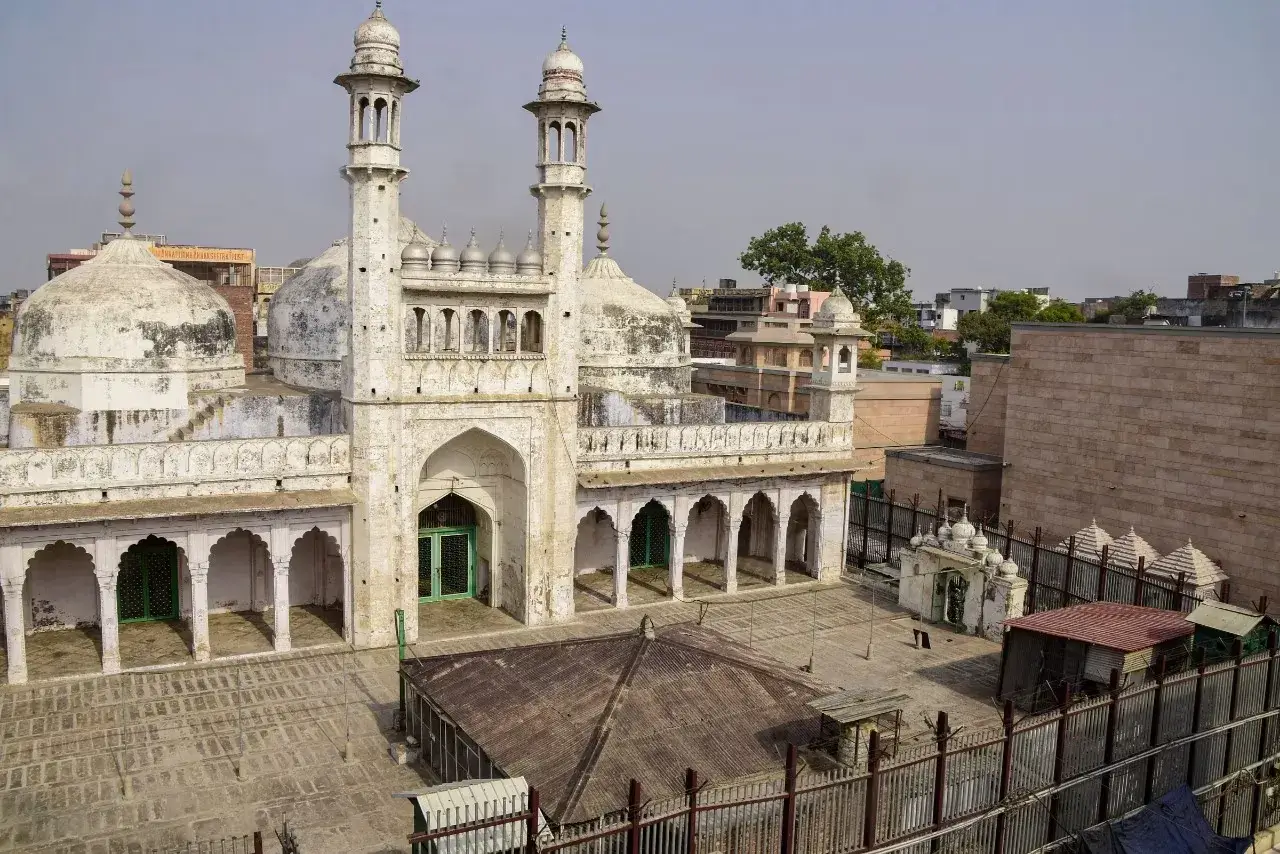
(1196, 716)
(1006, 774)
(866, 530)
(1059, 764)
(531, 822)
(1109, 746)
(789, 805)
(1067, 572)
(1102, 576)
(1035, 568)
(871, 809)
(943, 733)
(257, 842)
(1008, 537)
(691, 824)
(1181, 597)
(1138, 580)
(1157, 708)
(888, 526)
(915, 514)
(1237, 652)
(633, 813)
(1264, 736)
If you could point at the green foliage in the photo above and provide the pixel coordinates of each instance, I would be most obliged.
(988, 331)
(1014, 306)
(876, 285)
(870, 359)
(1134, 306)
(1060, 311)
(909, 338)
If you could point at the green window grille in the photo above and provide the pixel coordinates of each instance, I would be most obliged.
(447, 550)
(147, 587)
(650, 536)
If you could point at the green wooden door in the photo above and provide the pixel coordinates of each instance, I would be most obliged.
(446, 563)
(147, 587)
(650, 536)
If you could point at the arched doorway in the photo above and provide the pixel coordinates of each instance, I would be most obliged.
(147, 587)
(651, 536)
(447, 550)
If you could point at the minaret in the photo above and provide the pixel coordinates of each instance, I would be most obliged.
(562, 110)
(836, 331)
(377, 84)
(371, 369)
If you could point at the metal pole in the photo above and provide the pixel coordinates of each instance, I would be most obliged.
(940, 779)
(1196, 716)
(531, 823)
(346, 711)
(871, 624)
(1264, 736)
(1237, 652)
(240, 719)
(1006, 774)
(888, 537)
(872, 807)
(633, 813)
(1035, 568)
(1109, 746)
(1066, 573)
(1059, 764)
(1101, 595)
(789, 805)
(1137, 581)
(866, 529)
(691, 824)
(1157, 707)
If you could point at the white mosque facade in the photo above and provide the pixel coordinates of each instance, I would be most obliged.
(438, 424)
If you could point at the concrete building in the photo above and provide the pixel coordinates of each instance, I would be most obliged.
(724, 311)
(266, 281)
(1205, 285)
(513, 430)
(933, 318)
(1171, 430)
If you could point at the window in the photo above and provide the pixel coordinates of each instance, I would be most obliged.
(531, 332)
(478, 331)
(846, 360)
(553, 143)
(778, 357)
(506, 332)
(570, 144)
(806, 358)
(449, 331)
(959, 385)
(419, 340)
(946, 410)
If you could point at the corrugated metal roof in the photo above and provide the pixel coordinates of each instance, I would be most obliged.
(579, 719)
(858, 705)
(1127, 628)
(453, 804)
(1225, 618)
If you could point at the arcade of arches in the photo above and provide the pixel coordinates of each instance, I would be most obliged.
(170, 592)
(666, 540)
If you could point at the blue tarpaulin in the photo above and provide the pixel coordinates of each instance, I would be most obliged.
(1171, 825)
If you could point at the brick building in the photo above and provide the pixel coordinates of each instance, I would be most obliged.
(1206, 285)
(1172, 430)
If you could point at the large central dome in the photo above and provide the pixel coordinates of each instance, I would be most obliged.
(310, 314)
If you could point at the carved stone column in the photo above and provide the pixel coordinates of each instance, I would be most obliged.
(675, 580)
(106, 566)
(280, 604)
(12, 576)
(731, 557)
(780, 549)
(622, 562)
(199, 610)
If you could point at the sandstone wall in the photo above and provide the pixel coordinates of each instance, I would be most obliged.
(988, 393)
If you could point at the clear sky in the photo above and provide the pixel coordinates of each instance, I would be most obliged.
(1091, 146)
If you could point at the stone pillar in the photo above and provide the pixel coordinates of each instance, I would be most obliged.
(622, 562)
(731, 557)
(813, 543)
(1005, 599)
(106, 566)
(12, 576)
(675, 580)
(780, 549)
(280, 604)
(199, 610)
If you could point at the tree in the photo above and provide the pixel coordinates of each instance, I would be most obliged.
(876, 285)
(1134, 306)
(870, 359)
(1060, 311)
(910, 338)
(1014, 306)
(987, 331)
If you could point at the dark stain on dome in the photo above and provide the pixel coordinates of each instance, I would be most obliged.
(214, 337)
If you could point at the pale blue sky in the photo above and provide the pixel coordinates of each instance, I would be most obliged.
(1093, 147)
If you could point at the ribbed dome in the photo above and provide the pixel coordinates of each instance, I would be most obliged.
(445, 256)
(123, 311)
(529, 261)
(416, 253)
(501, 260)
(472, 258)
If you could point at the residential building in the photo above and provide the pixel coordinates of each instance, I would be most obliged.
(1205, 285)
(229, 272)
(967, 300)
(934, 318)
(507, 431)
(266, 281)
(911, 366)
(730, 308)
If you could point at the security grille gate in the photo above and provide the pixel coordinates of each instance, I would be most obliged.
(147, 588)
(446, 550)
(650, 536)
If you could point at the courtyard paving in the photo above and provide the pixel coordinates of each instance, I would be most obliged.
(146, 760)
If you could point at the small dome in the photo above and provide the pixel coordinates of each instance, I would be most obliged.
(979, 540)
(944, 530)
(562, 74)
(377, 31)
(500, 259)
(676, 301)
(416, 253)
(993, 559)
(529, 261)
(917, 540)
(473, 259)
(445, 256)
(963, 531)
(1008, 569)
(837, 309)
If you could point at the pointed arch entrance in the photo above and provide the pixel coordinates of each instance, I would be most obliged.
(447, 550)
(651, 536)
(147, 586)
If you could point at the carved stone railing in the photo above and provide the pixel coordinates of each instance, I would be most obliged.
(30, 477)
(661, 445)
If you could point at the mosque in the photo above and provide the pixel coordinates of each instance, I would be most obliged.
(509, 427)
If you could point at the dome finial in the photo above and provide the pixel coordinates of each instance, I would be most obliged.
(564, 37)
(126, 206)
(602, 236)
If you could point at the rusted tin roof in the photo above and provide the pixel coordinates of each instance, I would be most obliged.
(1127, 628)
(579, 719)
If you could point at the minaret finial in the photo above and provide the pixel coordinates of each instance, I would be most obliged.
(675, 289)
(377, 4)
(602, 236)
(444, 233)
(126, 206)
(564, 37)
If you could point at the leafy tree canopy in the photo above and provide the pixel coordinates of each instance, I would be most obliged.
(1134, 306)
(875, 284)
(990, 330)
(1060, 311)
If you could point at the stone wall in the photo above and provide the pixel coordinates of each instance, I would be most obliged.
(988, 393)
(1174, 431)
(964, 478)
(608, 408)
(891, 412)
(240, 298)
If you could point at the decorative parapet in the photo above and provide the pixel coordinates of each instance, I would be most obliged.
(663, 445)
(43, 476)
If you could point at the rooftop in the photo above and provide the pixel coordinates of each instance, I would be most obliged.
(1127, 628)
(936, 455)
